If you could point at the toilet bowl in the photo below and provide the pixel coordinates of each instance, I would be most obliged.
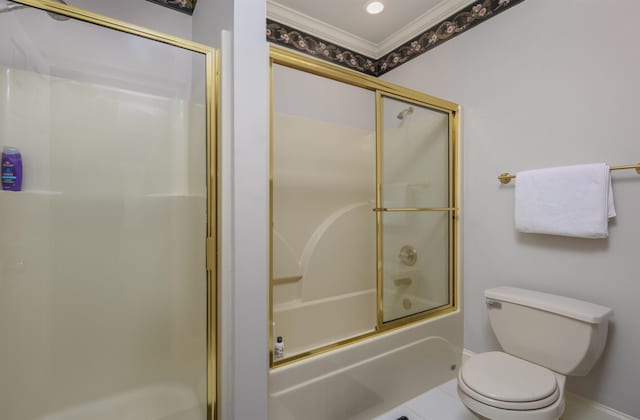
(545, 338)
(499, 386)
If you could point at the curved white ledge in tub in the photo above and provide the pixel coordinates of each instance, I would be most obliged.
(286, 266)
(336, 299)
(319, 232)
(153, 402)
(327, 273)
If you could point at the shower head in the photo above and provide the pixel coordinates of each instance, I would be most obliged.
(56, 16)
(405, 112)
(9, 6)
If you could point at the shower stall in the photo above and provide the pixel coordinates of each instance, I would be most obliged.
(364, 257)
(107, 262)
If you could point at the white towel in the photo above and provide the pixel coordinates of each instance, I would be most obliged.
(569, 201)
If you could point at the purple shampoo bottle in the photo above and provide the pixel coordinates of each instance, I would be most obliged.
(11, 169)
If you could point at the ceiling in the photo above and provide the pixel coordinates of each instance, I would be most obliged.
(346, 23)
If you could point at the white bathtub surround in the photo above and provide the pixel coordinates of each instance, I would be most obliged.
(366, 379)
(323, 187)
(103, 303)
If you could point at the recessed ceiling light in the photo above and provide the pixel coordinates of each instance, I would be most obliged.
(374, 7)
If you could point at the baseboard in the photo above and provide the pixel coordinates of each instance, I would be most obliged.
(595, 407)
(466, 354)
(584, 403)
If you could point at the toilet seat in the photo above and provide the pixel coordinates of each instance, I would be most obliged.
(507, 382)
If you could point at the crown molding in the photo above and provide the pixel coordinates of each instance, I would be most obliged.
(434, 16)
(306, 23)
(320, 29)
(428, 36)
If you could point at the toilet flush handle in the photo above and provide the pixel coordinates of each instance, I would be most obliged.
(493, 303)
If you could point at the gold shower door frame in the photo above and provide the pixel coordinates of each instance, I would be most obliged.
(452, 209)
(382, 89)
(212, 75)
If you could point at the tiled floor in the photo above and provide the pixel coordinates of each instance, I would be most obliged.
(442, 403)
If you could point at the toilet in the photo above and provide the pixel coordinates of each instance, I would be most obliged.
(544, 338)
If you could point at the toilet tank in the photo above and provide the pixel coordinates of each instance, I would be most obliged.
(563, 334)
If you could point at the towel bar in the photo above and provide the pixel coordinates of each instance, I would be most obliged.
(384, 209)
(506, 177)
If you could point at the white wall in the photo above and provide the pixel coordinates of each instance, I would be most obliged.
(548, 83)
(244, 200)
(251, 204)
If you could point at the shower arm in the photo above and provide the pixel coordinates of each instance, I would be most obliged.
(403, 114)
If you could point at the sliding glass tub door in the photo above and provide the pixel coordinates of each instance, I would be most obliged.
(417, 208)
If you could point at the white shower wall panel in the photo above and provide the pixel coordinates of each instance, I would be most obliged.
(323, 196)
(102, 263)
(120, 141)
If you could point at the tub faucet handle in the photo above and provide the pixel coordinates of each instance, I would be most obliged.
(408, 255)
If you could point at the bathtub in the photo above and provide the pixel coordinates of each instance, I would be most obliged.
(367, 378)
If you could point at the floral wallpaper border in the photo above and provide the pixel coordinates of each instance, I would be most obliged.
(184, 6)
(445, 30)
(289, 37)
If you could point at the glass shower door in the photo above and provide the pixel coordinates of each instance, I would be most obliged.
(416, 209)
(323, 185)
(103, 279)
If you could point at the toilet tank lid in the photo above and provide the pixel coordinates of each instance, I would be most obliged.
(572, 308)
